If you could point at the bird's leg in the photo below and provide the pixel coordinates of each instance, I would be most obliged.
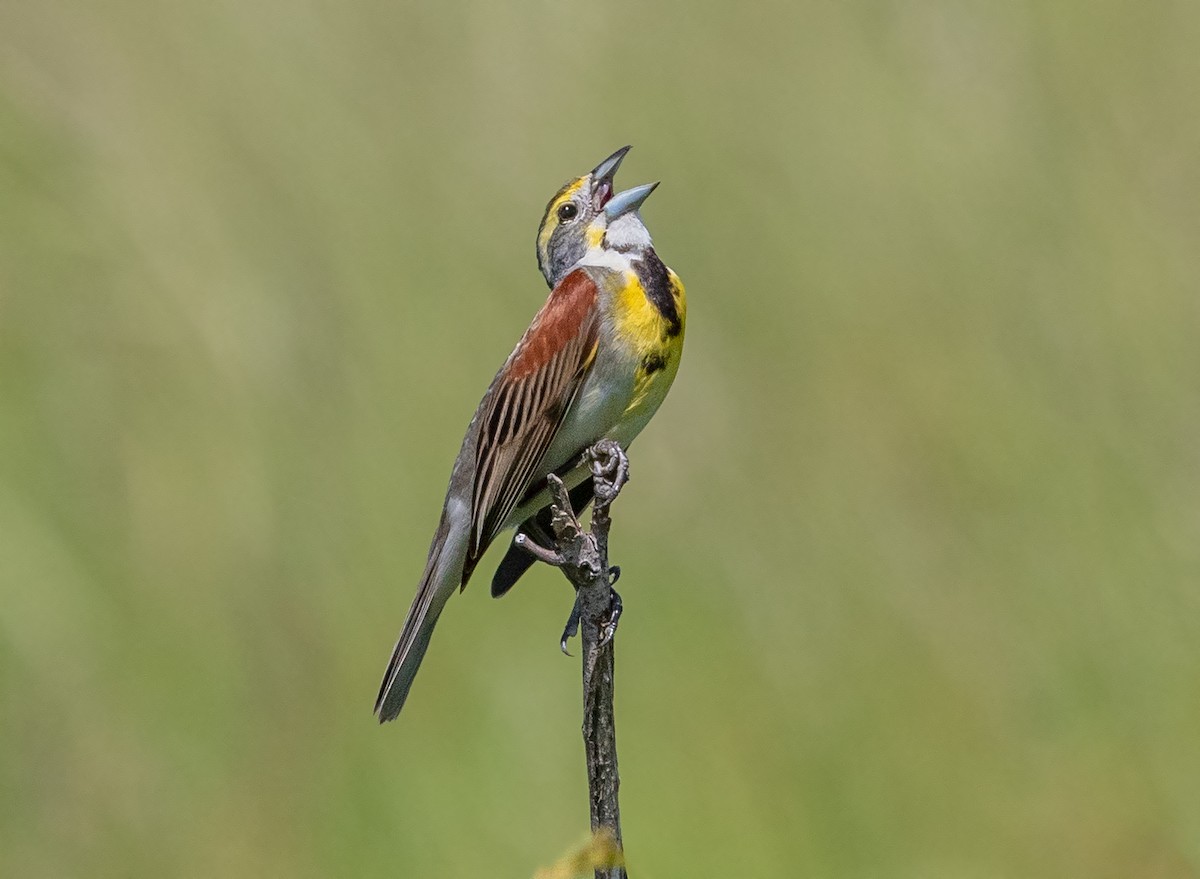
(570, 535)
(572, 627)
(580, 553)
(609, 628)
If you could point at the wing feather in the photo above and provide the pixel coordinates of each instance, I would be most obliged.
(528, 403)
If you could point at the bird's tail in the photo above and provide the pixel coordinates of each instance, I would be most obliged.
(443, 575)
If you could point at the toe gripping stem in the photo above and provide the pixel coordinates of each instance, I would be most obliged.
(609, 627)
(583, 554)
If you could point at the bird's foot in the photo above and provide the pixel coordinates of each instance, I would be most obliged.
(609, 628)
(572, 627)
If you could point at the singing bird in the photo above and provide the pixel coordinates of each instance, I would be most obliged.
(595, 363)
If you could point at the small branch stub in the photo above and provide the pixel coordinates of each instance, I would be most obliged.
(582, 556)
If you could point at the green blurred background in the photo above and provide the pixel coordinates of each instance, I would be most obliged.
(911, 553)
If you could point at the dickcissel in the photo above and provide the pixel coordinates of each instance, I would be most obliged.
(595, 363)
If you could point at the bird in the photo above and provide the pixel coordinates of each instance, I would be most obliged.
(595, 363)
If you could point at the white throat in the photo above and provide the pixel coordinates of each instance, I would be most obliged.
(627, 232)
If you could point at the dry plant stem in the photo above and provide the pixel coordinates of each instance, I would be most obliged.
(583, 558)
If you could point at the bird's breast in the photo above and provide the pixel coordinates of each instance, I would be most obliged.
(636, 360)
(649, 315)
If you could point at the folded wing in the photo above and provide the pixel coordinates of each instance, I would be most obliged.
(526, 406)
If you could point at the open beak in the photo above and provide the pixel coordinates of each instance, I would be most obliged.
(629, 200)
(602, 177)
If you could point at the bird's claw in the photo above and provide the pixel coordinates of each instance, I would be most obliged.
(609, 629)
(572, 627)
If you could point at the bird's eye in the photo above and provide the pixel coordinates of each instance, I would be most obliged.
(567, 212)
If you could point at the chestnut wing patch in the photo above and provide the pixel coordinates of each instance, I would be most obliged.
(527, 405)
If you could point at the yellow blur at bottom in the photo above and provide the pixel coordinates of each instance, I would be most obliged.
(601, 852)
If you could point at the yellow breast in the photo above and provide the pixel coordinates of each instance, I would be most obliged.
(654, 336)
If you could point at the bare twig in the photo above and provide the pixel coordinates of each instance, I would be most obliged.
(583, 558)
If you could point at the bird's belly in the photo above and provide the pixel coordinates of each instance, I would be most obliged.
(650, 389)
(606, 394)
(596, 412)
(618, 398)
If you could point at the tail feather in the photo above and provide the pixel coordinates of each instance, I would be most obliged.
(443, 574)
(402, 670)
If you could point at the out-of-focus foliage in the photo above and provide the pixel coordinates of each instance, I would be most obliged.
(911, 554)
(600, 852)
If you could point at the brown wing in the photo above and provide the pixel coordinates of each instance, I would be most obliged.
(526, 406)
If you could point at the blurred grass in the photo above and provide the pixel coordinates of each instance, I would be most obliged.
(917, 530)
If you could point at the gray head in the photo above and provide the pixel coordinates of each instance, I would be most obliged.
(563, 237)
